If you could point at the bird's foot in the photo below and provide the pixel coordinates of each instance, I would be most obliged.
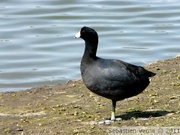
(106, 122)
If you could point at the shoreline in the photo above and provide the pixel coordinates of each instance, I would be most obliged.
(75, 79)
(69, 108)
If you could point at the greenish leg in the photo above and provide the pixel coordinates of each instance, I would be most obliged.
(113, 109)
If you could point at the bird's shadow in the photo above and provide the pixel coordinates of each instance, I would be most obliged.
(143, 114)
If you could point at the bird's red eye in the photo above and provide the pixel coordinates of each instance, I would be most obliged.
(82, 31)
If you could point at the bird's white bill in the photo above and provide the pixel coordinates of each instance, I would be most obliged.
(78, 35)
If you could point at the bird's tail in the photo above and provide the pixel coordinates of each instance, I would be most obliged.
(150, 74)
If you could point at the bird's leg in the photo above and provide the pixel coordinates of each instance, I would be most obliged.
(113, 110)
(112, 115)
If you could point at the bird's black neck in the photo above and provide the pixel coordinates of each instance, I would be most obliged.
(90, 50)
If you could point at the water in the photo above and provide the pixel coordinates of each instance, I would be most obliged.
(37, 45)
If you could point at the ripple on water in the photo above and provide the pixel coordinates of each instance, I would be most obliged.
(37, 45)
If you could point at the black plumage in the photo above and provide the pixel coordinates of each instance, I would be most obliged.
(110, 78)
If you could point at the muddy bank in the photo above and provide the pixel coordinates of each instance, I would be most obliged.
(70, 108)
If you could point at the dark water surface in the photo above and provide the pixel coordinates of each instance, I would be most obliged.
(37, 45)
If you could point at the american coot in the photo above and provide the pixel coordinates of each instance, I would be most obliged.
(110, 78)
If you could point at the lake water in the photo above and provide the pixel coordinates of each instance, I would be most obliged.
(37, 45)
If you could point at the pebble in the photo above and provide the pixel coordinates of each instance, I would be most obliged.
(143, 118)
(101, 122)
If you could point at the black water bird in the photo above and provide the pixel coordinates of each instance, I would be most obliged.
(110, 78)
